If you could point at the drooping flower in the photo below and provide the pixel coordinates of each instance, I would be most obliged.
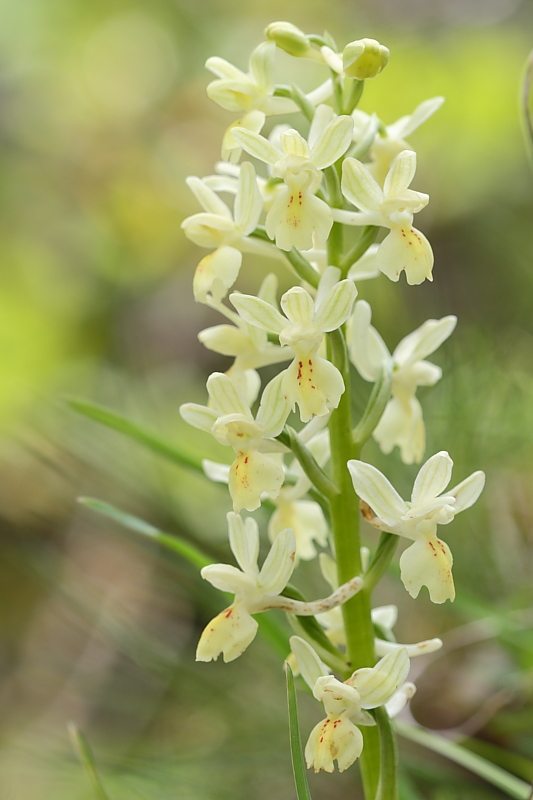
(296, 213)
(390, 140)
(257, 468)
(428, 561)
(402, 423)
(217, 227)
(255, 590)
(337, 738)
(311, 382)
(393, 207)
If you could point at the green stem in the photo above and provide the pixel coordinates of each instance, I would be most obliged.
(377, 402)
(367, 237)
(345, 528)
(388, 774)
(308, 463)
(354, 95)
(302, 267)
(299, 97)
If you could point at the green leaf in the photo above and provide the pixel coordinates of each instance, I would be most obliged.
(386, 548)
(136, 432)
(298, 765)
(133, 523)
(86, 757)
(513, 786)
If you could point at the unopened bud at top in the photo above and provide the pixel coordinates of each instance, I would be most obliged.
(364, 59)
(289, 38)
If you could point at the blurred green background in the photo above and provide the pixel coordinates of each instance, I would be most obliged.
(103, 114)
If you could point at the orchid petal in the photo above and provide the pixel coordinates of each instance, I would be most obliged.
(433, 477)
(374, 488)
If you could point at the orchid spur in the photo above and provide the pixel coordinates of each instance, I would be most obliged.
(256, 590)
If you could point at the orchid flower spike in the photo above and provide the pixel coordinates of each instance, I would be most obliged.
(257, 468)
(227, 231)
(296, 213)
(255, 590)
(428, 561)
(311, 382)
(402, 423)
(393, 207)
(337, 737)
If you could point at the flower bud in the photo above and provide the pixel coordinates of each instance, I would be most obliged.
(364, 58)
(289, 38)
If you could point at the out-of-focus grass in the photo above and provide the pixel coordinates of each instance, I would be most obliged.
(104, 114)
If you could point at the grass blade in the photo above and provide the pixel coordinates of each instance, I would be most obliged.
(81, 745)
(136, 432)
(269, 627)
(133, 523)
(513, 786)
(298, 766)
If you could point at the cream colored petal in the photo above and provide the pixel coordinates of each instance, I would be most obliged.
(425, 340)
(406, 125)
(365, 267)
(225, 339)
(333, 142)
(310, 666)
(244, 542)
(298, 305)
(262, 66)
(314, 384)
(227, 578)
(385, 616)
(258, 312)
(336, 306)
(428, 562)
(208, 230)
(279, 564)
(295, 216)
(216, 273)
(232, 95)
(274, 408)
(406, 248)
(248, 202)
(376, 685)
(293, 144)
(467, 492)
(324, 114)
(225, 396)
(333, 739)
(368, 351)
(432, 479)
(207, 198)
(377, 491)
(223, 69)
(228, 634)
(198, 416)
(306, 519)
(257, 145)
(359, 187)
(400, 174)
(402, 425)
(251, 475)
(216, 472)
(398, 701)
